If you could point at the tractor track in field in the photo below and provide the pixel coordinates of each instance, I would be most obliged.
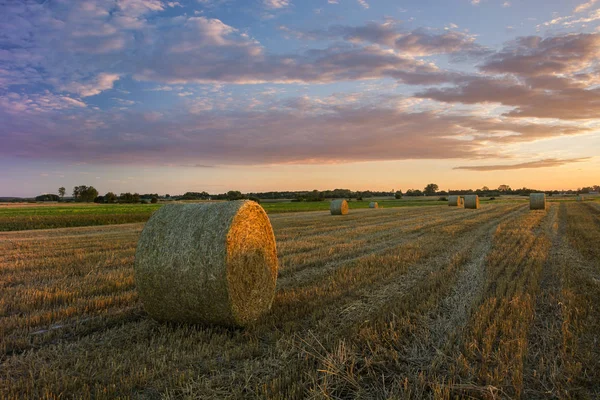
(454, 309)
(288, 277)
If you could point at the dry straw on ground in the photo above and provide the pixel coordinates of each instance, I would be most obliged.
(455, 201)
(207, 263)
(338, 207)
(373, 204)
(472, 201)
(537, 201)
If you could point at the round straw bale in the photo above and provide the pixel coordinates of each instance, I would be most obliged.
(455, 201)
(537, 201)
(580, 197)
(207, 263)
(339, 207)
(472, 201)
(373, 204)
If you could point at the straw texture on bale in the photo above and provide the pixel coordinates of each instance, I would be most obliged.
(537, 201)
(472, 201)
(207, 263)
(455, 201)
(373, 204)
(338, 207)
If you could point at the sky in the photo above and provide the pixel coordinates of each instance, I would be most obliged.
(156, 96)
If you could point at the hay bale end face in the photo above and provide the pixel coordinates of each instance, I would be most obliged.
(455, 201)
(338, 207)
(472, 201)
(537, 201)
(207, 263)
(373, 204)
(580, 198)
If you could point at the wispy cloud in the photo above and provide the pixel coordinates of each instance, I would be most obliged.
(585, 6)
(545, 163)
(363, 3)
(275, 4)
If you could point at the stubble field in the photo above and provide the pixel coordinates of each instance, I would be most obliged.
(415, 302)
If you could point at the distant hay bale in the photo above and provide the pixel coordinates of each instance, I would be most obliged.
(373, 204)
(338, 207)
(580, 197)
(472, 201)
(207, 263)
(455, 201)
(537, 201)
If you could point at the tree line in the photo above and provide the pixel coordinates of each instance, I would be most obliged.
(84, 193)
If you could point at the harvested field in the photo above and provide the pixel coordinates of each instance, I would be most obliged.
(416, 302)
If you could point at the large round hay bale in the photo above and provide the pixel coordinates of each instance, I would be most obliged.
(338, 207)
(207, 263)
(455, 201)
(373, 204)
(580, 197)
(472, 201)
(537, 201)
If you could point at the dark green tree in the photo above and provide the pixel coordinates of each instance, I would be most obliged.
(110, 197)
(431, 189)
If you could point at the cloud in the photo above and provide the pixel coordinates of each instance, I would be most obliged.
(545, 163)
(276, 3)
(534, 56)
(418, 42)
(93, 86)
(17, 105)
(585, 6)
(363, 4)
(285, 133)
(539, 77)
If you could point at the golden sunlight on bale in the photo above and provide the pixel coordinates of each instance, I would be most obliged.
(537, 201)
(373, 204)
(580, 197)
(207, 263)
(338, 207)
(472, 201)
(455, 201)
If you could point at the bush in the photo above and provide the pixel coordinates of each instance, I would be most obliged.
(442, 199)
(256, 199)
(154, 200)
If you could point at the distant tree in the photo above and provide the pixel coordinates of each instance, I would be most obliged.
(47, 197)
(61, 191)
(126, 197)
(110, 197)
(84, 193)
(99, 199)
(430, 189)
(195, 196)
(413, 192)
(398, 194)
(485, 189)
(168, 196)
(234, 195)
(154, 200)
(504, 188)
